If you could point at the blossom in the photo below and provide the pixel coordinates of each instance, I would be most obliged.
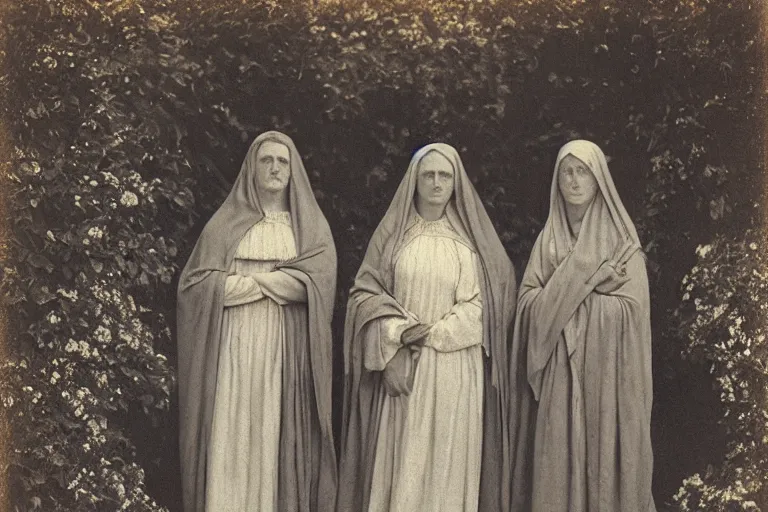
(703, 250)
(129, 199)
(71, 295)
(103, 334)
(82, 347)
(110, 179)
(96, 232)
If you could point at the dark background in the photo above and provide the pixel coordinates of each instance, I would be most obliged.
(165, 98)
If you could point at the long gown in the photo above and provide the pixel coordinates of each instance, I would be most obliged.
(243, 452)
(428, 451)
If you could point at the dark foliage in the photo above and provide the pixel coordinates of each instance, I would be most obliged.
(129, 121)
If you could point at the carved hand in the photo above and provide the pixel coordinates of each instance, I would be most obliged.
(416, 334)
(399, 373)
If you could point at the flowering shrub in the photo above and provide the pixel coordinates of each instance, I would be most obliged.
(102, 195)
(128, 122)
(723, 312)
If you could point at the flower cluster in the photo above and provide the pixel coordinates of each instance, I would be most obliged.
(129, 120)
(724, 300)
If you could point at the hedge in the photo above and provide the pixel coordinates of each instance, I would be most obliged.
(127, 122)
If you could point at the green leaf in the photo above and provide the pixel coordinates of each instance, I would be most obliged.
(37, 260)
(97, 265)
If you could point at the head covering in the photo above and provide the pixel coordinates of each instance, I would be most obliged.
(605, 227)
(606, 223)
(371, 298)
(200, 307)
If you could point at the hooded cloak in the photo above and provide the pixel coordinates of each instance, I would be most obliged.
(506, 401)
(307, 470)
(589, 355)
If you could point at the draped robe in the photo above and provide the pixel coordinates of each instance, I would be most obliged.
(507, 401)
(306, 471)
(589, 356)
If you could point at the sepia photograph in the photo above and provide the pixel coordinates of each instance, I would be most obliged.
(384, 256)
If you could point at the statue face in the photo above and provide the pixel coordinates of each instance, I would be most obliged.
(273, 167)
(576, 182)
(435, 179)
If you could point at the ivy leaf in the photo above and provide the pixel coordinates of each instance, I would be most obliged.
(37, 260)
(41, 295)
(97, 265)
(717, 208)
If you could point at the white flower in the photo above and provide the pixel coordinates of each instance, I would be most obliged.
(96, 232)
(110, 179)
(78, 346)
(703, 250)
(129, 339)
(129, 199)
(68, 294)
(103, 334)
